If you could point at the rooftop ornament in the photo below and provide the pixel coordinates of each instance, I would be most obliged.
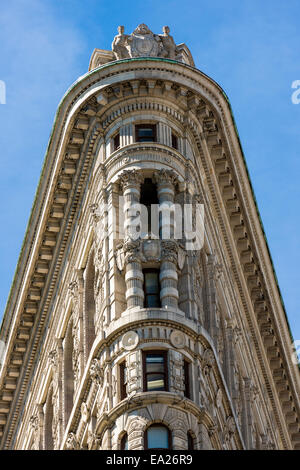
(143, 43)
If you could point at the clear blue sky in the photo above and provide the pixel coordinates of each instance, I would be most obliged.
(250, 47)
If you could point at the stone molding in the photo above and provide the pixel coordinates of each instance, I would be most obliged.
(260, 258)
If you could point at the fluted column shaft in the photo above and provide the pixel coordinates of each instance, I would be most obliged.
(131, 183)
(166, 180)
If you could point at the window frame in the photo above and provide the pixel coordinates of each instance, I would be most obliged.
(186, 375)
(151, 270)
(155, 352)
(123, 383)
(158, 448)
(114, 137)
(174, 137)
(148, 201)
(145, 126)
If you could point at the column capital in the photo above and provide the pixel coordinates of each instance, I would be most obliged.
(132, 251)
(130, 177)
(169, 251)
(165, 177)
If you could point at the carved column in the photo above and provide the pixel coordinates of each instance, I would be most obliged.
(113, 295)
(76, 291)
(212, 300)
(165, 180)
(230, 362)
(131, 183)
(134, 275)
(247, 413)
(168, 275)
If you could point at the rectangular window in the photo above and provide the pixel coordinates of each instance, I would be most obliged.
(149, 198)
(151, 288)
(116, 142)
(174, 141)
(186, 371)
(123, 380)
(155, 371)
(145, 133)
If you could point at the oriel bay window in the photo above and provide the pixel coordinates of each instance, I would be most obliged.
(155, 371)
(145, 133)
(151, 288)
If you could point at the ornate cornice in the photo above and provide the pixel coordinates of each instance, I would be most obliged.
(78, 126)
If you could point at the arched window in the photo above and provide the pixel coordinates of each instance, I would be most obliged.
(157, 436)
(124, 442)
(191, 445)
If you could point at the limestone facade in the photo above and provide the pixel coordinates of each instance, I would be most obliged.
(83, 335)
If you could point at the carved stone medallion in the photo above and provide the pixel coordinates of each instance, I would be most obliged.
(130, 340)
(177, 339)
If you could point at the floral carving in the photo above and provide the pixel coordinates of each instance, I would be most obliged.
(96, 372)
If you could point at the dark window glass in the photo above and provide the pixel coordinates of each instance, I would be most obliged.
(151, 288)
(174, 141)
(157, 436)
(190, 441)
(123, 381)
(145, 133)
(116, 140)
(186, 367)
(155, 371)
(149, 197)
(124, 442)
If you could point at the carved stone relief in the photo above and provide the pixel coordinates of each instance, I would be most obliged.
(96, 372)
(143, 43)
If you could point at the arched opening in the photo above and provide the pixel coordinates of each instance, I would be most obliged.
(124, 442)
(90, 306)
(68, 373)
(191, 441)
(157, 436)
(48, 434)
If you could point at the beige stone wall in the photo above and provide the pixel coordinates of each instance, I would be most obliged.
(221, 309)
